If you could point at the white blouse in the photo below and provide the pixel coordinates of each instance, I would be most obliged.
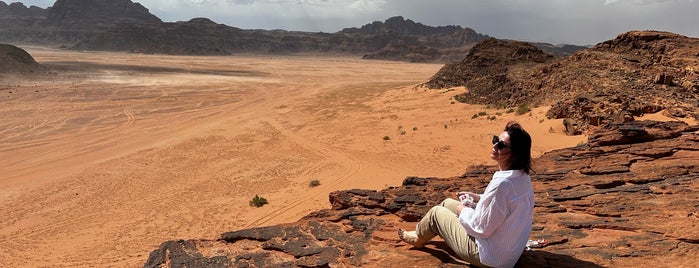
(502, 219)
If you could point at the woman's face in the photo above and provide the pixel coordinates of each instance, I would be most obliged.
(501, 149)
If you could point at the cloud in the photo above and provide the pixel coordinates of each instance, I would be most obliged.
(640, 2)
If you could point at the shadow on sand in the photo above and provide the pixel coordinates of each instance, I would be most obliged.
(78, 66)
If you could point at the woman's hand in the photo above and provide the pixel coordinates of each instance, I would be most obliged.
(460, 207)
(475, 197)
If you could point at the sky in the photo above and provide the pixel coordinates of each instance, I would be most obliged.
(579, 22)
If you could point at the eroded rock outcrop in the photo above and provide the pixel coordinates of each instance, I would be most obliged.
(637, 73)
(493, 72)
(627, 198)
(17, 60)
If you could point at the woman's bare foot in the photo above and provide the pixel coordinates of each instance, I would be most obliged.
(409, 237)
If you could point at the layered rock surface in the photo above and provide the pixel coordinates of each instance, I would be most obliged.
(629, 198)
(638, 72)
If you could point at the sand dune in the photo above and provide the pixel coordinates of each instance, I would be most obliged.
(116, 153)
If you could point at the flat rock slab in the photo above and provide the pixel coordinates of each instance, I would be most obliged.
(623, 203)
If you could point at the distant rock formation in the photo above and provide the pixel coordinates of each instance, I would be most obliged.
(637, 73)
(18, 10)
(121, 25)
(628, 198)
(397, 39)
(67, 21)
(100, 10)
(16, 60)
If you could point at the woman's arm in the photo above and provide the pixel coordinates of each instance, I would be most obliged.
(488, 215)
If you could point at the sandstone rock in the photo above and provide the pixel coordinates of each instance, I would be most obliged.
(615, 81)
(626, 199)
(485, 71)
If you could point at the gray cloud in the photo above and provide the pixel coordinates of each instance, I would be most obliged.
(555, 21)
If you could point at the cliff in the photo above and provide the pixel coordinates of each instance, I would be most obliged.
(67, 21)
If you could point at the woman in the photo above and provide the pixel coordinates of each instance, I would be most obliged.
(492, 229)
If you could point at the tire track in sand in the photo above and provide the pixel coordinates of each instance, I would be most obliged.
(329, 153)
(130, 118)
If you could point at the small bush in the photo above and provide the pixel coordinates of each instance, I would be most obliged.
(414, 128)
(386, 138)
(402, 132)
(491, 118)
(509, 111)
(523, 109)
(482, 113)
(314, 183)
(258, 201)
(474, 116)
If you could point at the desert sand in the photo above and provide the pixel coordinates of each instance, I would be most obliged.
(114, 153)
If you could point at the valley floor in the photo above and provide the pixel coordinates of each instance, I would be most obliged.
(112, 154)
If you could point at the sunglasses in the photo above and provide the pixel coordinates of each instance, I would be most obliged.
(498, 143)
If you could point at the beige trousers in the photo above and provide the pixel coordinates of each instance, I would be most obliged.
(442, 220)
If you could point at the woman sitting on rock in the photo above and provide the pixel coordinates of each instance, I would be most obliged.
(489, 229)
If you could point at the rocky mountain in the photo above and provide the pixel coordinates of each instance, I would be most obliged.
(627, 198)
(100, 10)
(17, 60)
(18, 10)
(67, 21)
(396, 39)
(638, 72)
(122, 25)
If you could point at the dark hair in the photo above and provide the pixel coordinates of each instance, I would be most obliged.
(520, 147)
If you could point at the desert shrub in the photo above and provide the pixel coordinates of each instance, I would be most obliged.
(314, 183)
(482, 113)
(523, 109)
(509, 111)
(386, 138)
(414, 128)
(258, 201)
(474, 116)
(402, 132)
(491, 118)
